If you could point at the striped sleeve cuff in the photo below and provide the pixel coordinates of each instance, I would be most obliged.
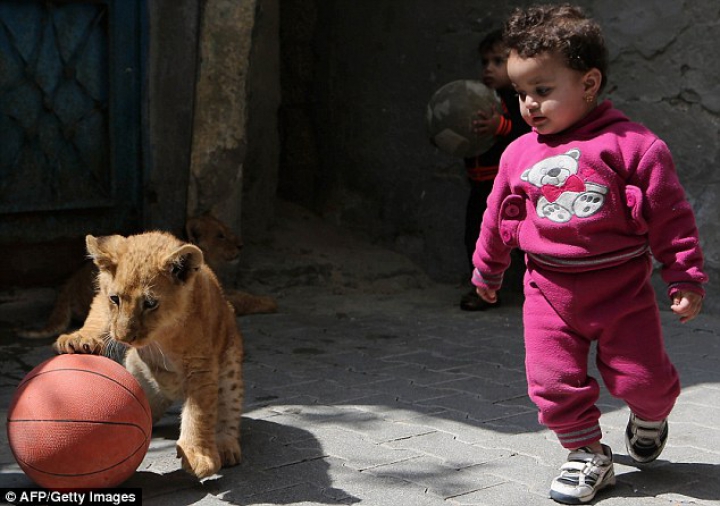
(685, 287)
(491, 281)
(503, 129)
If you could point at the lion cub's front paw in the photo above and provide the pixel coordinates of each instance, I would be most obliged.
(202, 462)
(77, 343)
(229, 449)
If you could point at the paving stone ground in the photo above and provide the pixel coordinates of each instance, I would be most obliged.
(371, 387)
(402, 399)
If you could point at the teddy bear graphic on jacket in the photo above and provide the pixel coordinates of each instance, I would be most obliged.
(564, 193)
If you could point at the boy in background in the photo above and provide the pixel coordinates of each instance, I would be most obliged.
(506, 126)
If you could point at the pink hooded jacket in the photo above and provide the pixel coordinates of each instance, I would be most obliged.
(591, 197)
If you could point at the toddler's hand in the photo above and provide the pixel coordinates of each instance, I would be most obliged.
(687, 305)
(489, 296)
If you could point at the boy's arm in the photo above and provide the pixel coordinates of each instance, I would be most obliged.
(512, 124)
(499, 124)
(488, 122)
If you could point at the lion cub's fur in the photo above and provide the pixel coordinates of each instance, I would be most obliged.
(220, 247)
(158, 297)
(72, 303)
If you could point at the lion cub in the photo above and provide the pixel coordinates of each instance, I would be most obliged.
(157, 297)
(220, 247)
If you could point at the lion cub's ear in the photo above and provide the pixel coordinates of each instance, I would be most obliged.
(105, 251)
(193, 229)
(182, 263)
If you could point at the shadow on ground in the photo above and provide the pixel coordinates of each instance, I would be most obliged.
(370, 385)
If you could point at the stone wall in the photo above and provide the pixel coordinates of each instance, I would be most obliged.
(355, 148)
(219, 144)
(235, 146)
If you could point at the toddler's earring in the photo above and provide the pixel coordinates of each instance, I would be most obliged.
(589, 98)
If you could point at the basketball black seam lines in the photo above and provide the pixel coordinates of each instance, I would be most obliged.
(91, 473)
(90, 372)
(70, 420)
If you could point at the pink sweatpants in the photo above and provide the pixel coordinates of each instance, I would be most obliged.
(615, 307)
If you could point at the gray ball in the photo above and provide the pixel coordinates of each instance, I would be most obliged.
(450, 114)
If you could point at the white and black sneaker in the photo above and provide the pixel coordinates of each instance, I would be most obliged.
(645, 440)
(582, 476)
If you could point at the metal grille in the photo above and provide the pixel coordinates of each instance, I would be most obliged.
(54, 88)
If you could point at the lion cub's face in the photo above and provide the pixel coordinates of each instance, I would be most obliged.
(216, 240)
(145, 282)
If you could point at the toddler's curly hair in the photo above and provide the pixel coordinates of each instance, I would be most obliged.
(561, 29)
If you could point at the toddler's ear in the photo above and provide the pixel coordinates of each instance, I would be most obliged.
(592, 81)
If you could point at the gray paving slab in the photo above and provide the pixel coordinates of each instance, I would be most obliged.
(401, 400)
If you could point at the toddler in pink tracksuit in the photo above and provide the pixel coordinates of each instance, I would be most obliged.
(588, 195)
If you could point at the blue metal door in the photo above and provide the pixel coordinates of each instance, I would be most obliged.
(70, 75)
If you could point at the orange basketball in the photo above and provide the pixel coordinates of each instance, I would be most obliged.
(79, 421)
